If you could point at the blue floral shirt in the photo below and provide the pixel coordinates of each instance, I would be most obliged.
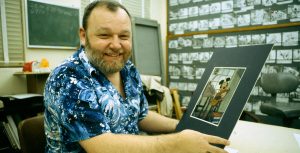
(82, 103)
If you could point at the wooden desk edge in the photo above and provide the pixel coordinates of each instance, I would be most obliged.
(31, 73)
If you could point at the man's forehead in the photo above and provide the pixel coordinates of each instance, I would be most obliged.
(104, 14)
(103, 9)
(108, 29)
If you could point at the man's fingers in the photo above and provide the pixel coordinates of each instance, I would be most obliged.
(214, 149)
(217, 140)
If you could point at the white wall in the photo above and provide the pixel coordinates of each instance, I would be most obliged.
(158, 11)
(10, 84)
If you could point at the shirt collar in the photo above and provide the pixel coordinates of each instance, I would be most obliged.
(83, 58)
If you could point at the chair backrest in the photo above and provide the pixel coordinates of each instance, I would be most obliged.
(279, 82)
(31, 135)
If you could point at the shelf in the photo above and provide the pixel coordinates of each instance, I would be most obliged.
(31, 73)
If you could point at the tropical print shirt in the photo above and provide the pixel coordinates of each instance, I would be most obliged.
(80, 103)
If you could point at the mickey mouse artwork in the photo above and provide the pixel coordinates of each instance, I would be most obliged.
(217, 99)
(217, 94)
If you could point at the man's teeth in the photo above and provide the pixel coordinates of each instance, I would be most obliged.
(114, 55)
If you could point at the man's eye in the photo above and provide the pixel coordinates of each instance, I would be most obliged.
(103, 36)
(124, 37)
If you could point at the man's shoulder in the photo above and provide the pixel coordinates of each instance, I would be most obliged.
(71, 66)
(65, 70)
(131, 69)
(133, 75)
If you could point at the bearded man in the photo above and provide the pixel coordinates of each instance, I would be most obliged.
(94, 101)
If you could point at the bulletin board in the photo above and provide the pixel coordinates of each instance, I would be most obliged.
(197, 27)
(51, 26)
(189, 16)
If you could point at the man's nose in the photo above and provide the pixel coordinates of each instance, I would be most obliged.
(115, 43)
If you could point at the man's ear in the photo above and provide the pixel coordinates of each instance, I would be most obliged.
(82, 35)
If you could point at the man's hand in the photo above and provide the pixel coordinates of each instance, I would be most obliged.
(196, 142)
(187, 141)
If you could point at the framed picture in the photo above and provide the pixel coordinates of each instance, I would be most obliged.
(217, 94)
(224, 89)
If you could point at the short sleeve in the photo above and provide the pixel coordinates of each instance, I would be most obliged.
(81, 117)
(143, 107)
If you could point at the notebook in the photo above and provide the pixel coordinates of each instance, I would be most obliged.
(224, 89)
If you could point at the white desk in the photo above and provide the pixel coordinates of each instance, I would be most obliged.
(249, 137)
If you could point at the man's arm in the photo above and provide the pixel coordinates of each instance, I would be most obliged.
(187, 141)
(157, 123)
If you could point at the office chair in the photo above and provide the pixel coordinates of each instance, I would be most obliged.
(31, 135)
(274, 83)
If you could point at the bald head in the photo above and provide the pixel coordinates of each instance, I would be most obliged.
(109, 5)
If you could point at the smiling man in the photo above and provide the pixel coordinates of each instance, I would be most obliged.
(94, 100)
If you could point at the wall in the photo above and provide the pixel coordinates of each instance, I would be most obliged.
(10, 84)
(55, 56)
(197, 28)
(158, 10)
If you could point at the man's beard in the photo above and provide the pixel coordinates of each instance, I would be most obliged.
(95, 57)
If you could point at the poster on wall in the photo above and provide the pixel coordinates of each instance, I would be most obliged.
(224, 89)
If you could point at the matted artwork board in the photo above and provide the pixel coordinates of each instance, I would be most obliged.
(224, 89)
